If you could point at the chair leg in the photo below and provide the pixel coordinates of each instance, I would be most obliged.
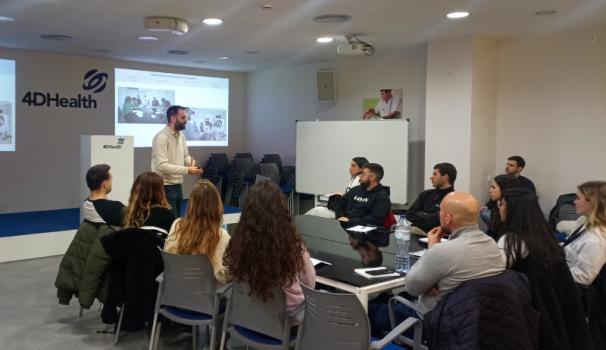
(119, 323)
(81, 312)
(194, 337)
(222, 342)
(213, 338)
(157, 340)
(153, 332)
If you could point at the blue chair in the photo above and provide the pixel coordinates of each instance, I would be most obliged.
(188, 295)
(258, 324)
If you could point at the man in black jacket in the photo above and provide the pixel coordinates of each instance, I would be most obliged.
(425, 211)
(367, 204)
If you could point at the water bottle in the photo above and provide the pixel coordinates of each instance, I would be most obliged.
(402, 235)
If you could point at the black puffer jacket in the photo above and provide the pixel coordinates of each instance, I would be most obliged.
(486, 313)
(135, 262)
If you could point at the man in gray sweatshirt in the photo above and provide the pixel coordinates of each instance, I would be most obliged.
(468, 254)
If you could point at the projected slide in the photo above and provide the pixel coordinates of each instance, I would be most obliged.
(142, 98)
(7, 105)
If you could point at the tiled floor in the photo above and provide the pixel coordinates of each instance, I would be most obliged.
(31, 318)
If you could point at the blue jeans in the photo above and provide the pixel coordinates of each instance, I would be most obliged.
(378, 315)
(174, 196)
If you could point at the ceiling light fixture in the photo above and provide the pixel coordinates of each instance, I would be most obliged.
(4, 19)
(147, 38)
(546, 12)
(223, 58)
(457, 15)
(56, 37)
(166, 24)
(332, 18)
(324, 39)
(212, 21)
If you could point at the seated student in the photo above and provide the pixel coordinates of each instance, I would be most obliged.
(83, 266)
(467, 255)
(529, 246)
(514, 167)
(267, 251)
(97, 208)
(200, 231)
(147, 204)
(367, 204)
(586, 246)
(355, 169)
(489, 213)
(424, 212)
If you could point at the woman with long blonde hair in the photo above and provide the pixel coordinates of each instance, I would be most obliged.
(586, 246)
(200, 232)
(147, 205)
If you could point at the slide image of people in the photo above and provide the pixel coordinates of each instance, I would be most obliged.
(6, 136)
(143, 106)
(206, 124)
(389, 105)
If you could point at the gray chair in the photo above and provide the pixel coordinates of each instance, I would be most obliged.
(258, 324)
(336, 321)
(187, 295)
(271, 171)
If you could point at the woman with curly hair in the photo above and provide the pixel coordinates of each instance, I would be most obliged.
(147, 204)
(200, 232)
(266, 251)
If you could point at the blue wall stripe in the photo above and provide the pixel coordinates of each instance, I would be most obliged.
(26, 223)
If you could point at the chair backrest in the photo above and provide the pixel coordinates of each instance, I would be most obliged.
(333, 321)
(272, 158)
(189, 282)
(245, 166)
(271, 171)
(219, 161)
(244, 155)
(267, 317)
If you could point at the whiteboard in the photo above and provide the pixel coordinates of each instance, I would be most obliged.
(325, 149)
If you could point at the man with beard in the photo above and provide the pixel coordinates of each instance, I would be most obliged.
(170, 157)
(424, 212)
(468, 254)
(367, 204)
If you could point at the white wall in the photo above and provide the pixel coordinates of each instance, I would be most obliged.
(552, 109)
(279, 97)
(44, 172)
(483, 116)
(448, 116)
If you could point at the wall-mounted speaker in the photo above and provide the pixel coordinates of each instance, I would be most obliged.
(326, 86)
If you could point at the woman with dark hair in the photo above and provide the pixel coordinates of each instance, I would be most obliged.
(147, 204)
(490, 213)
(200, 231)
(334, 201)
(529, 247)
(266, 251)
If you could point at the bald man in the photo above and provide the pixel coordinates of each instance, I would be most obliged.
(468, 254)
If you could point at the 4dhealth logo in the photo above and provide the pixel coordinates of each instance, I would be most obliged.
(94, 81)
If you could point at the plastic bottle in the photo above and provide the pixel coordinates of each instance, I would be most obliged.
(402, 236)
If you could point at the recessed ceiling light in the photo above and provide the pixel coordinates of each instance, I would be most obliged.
(56, 37)
(178, 52)
(147, 38)
(251, 52)
(546, 12)
(4, 19)
(212, 21)
(324, 39)
(332, 18)
(267, 6)
(223, 58)
(457, 15)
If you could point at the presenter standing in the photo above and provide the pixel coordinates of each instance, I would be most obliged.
(170, 157)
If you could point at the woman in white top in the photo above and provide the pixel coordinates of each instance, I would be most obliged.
(355, 168)
(200, 232)
(586, 246)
